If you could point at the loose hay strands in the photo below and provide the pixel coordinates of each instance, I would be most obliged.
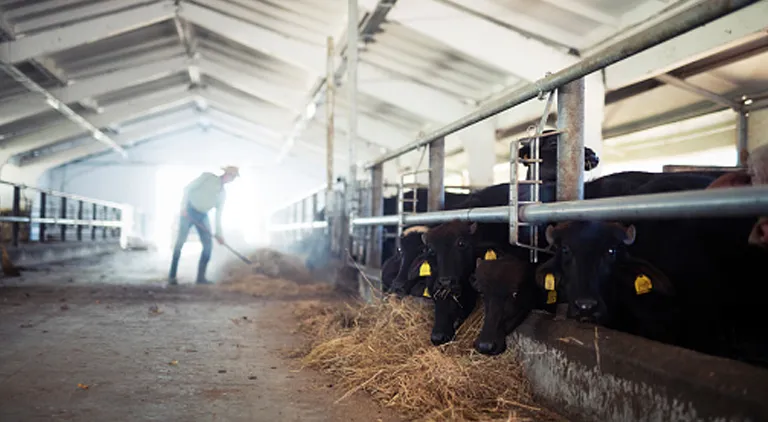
(384, 349)
(273, 274)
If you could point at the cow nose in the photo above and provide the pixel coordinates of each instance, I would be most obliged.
(439, 338)
(489, 348)
(586, 305)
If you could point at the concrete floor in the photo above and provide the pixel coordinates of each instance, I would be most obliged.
(147, 352)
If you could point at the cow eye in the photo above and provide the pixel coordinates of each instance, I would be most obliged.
(514, 295)
(611, 252)
(460, 243)
(565, 250)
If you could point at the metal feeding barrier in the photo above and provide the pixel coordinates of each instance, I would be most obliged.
(534, 183)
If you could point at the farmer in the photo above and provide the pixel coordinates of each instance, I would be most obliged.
(204, 193)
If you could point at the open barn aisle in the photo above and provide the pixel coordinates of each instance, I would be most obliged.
(97, 351)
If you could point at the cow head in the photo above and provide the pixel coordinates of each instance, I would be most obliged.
(596, 272)
(508, 296)
(451, 256)
(452, 248)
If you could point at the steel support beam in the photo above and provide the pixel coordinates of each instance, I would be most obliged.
(116, 113)
(701, 92)
(61, 107)
(145, 129)
(81, 33)
(330, 108)
(375, 245)
(31, 104)
(352, 61)
(679, 24)
(436, 193)
(742, 130)
(570, 150)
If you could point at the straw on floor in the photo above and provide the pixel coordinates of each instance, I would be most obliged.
(384, 349)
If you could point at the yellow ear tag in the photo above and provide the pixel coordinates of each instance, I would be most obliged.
(551, 297)
(490, 255)
(426, 292)
(425, 269)
(643, 284)
(549, 282)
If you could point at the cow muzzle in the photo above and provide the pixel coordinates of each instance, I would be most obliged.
(586, 309)
(447, 286)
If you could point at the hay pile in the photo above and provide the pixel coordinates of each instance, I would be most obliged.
(273, 274)
(384, 349)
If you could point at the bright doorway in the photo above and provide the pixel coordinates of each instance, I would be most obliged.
(243, 220)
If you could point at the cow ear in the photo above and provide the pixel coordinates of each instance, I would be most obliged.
(630, 233)
(473, 228)
(525, 152)
(415, 272)
(645, 277)
(547, 268)
(550, 234)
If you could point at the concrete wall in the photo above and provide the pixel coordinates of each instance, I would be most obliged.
(595, 374)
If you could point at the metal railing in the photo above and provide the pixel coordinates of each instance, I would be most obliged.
(75, 217)
(568, 83)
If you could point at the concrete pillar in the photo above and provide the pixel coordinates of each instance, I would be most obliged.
(594, 113)
(479, 141)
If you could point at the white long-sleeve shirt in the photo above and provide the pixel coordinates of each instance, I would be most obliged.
(204, 193)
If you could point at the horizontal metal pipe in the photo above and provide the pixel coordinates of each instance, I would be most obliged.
(66, 195)
(61, 221)
(726, 202)
(679, 24)
(298, 226)
(675, 168)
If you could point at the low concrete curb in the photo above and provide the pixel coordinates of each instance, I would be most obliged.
(595, 374)
(30, 255)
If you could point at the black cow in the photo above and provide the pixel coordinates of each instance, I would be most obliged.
(453, 275)
(548, 155)
(509, 294)
(679, 281)
(548, 173)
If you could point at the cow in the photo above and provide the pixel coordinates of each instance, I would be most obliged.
(495, 195)
(509, 293)
(548, 155)
(668, 280)
(454, 246)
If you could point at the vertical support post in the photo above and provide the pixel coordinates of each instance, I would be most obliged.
(352, 40)
(16, 213)
(436, 193)
(330, 97)
(314, 206)
(63, 214)
(376, 241)
(80, 218)
(742, 127)
(93, 217)
(43, 208)
(570, 149)
(104, 228)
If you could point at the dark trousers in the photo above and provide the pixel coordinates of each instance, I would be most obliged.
(193, 218)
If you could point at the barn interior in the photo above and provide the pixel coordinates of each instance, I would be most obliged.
(337, 114)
